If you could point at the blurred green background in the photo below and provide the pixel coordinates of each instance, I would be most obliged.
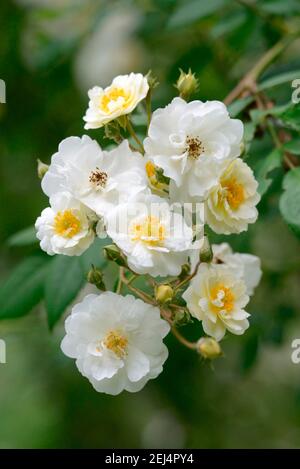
(51, 53)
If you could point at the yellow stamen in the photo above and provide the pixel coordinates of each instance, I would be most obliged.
(66, 224)
(235, 193)
(150, 231)
(116, 342)
(222, 298)
(150, 169)
(113, 94)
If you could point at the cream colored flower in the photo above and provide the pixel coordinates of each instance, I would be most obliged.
(246, 266)
(120, 98)
(231, 204)
(190, 142)
(155, 239)
(65, 227)
(216, 296)
(117, 341)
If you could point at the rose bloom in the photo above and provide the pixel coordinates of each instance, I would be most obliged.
(217, 297)
(190, 141)
(116, 341)
(155, 239)
(231, 204)
(98, 178)
(65, 227)
(118, 99)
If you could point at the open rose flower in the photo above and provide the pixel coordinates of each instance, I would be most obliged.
(116, 341)
(118, 99)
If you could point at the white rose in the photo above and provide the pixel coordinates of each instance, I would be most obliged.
(246, 266)
(120, 98)
(99, 179)
(190, 141)
(216, 296)
(155, 239)
(65, 227)
(116, 341)
(231, 204)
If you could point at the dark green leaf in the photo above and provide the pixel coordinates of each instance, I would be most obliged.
(239, 105)
(291, 117)
(94, 255)
(280, 7)
(64, 280)
(290, 200)
(280, 79)
(24, 288)
(190, 12)
(293, 146)
(249, 131)
(23, 238)
(263, 169)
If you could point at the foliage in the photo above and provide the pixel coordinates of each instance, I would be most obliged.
(220, 41)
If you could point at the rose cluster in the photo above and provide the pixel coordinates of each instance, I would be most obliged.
(145, 196)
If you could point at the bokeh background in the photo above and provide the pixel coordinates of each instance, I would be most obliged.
(51, 52)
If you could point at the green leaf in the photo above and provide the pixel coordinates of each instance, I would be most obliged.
(280, 7)
(289, 203)
(277, 80)
(23, 238)
(264, 167)
(239, 105)
(293, 146)
(249, 132)
(24, 288)
(291, 116)
(64, 280)
(191, 12)
(94, 255)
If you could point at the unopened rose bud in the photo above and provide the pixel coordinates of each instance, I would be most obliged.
(187, 84)
(181, 317)
(113, 253)
(209, 348)
(206, 254)
(95, 277)
(164, 293)
(42, 168)
(152, 80)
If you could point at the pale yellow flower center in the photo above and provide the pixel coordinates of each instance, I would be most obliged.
(66, 224)
(194, 147)
(150, 169)
(112, 97)
(150, 231)
(234, 191)
(98, 178)
(222, 298)
(116, 342)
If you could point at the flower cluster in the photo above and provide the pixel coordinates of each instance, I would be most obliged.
(152, 198)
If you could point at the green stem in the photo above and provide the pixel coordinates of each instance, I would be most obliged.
(248, 83)
(134, 135)
(148, 108)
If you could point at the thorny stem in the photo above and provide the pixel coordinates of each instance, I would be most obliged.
(134, 135)
(248, 82)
